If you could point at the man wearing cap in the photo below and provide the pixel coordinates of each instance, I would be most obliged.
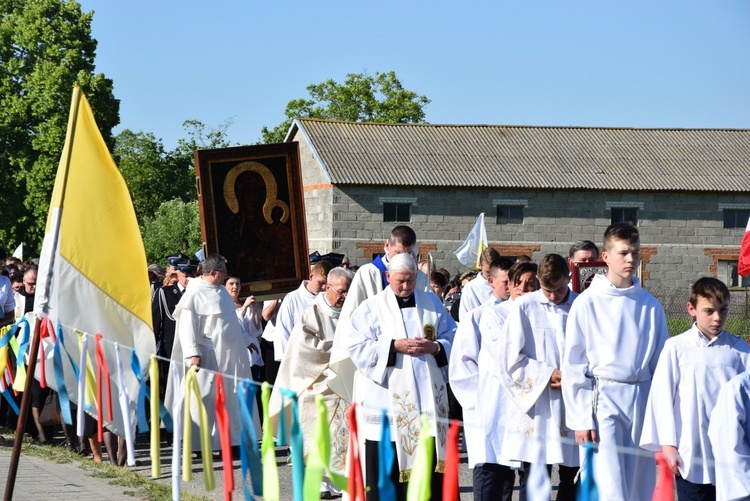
(162, 308)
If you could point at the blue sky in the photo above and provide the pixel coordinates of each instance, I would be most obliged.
(682, 64)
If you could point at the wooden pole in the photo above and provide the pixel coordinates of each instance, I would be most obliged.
(23, 416)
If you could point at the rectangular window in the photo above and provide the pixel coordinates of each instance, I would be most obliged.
(625, 215)
(396, 212)
(509, 214)
(727, 273)
(736, 218)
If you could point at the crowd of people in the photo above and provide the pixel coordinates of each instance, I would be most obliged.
(535, 370)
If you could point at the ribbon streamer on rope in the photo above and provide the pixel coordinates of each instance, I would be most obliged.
(250, 456)
(664, 490)
(587, 490)
(267, 451)
(356, 486)
(19, 382)
(102, 378)
(450, 476)
(386, 488)
(46, 331)
(57, 364)
(419, 488)
(297, 445)
(191, 387)
(319, 455)
(86, 381)
(177, 435)
(124, 398)
(222, 422)
(135, 366)
(153, 374)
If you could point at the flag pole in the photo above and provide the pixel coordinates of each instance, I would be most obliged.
(23, 415)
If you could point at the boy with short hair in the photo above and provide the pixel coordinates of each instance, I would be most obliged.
(615, 333)
(692, 368)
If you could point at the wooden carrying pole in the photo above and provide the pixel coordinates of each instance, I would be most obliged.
(23, 415)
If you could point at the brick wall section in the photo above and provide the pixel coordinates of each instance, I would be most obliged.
(729, 254)
(367, 249)
(515, 250)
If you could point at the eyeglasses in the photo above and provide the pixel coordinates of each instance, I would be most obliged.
(340, 293)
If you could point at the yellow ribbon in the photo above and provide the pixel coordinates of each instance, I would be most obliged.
(191, 385)
(421, 474)
(90, 375)
(19, 383)
(3, 360)
(267, 451)
(153, 374)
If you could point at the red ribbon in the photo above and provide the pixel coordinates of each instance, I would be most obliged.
(102, 371)
(450, 477)
(222, 421)
(356, 485)
(664, 490)
(46, 330)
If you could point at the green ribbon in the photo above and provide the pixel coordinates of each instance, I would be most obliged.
(268, 452)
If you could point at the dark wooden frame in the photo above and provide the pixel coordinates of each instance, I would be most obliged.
(582, 273)
(252, 211)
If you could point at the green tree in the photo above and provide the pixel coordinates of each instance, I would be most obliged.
(175, 227)
(45, 48)
(152, 174)
(361, 98)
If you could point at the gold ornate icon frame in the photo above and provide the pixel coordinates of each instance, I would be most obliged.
(252, 212)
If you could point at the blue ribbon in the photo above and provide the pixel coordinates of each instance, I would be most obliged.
(385, 461)
(11, 402)
(281, 439)
(249, 452)
(62, 391)
(23, 341)
(11, 332)
(297, 446)
(587, 490)
(144, 392)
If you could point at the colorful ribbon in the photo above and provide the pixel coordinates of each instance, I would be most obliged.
(664, 490)
(177, 435)
(450, 476)
(267, 451)
(191, 387)
(153, 374)
(386, 488)
(21, 347)
(59, 370)
(102, 379)
(419, 488)
(222, 422)
(356, 486)
(45, 331)
(135, 366)
(587, 490)
(296, 444)
(124, 398)
(84, 380)
(250, 455)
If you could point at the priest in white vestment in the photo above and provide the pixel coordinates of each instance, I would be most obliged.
(478, 291)
(304, 370)
(729, 432)
(615, 333)
(534, 343)
(369, 281)
(494, 401)
(463, 371)
(692, 369)
(398, 341)
(209, 336)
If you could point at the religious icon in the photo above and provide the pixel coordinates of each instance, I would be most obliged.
(252, 212)
(583, 273)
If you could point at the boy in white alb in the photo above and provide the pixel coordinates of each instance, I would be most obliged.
(534, 342)
(691, 371)
(615, 333)
(478, 291)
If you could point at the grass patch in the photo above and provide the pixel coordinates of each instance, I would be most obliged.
(737, 325)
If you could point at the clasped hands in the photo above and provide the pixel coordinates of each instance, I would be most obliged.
(416, 346)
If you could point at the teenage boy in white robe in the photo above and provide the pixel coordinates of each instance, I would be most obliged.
(729, 431)
(463, 371)
(692, 369)
(295, 303)
(498, 476)
(534, 343)
(398, 341)
(615, 333)
(478, 291)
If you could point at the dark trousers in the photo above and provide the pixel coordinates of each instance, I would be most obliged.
(566, 491)
(493, 481)
(372, 472)
(271, 367)
(688, 491)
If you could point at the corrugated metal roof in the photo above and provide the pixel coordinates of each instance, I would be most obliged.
(499, 156)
